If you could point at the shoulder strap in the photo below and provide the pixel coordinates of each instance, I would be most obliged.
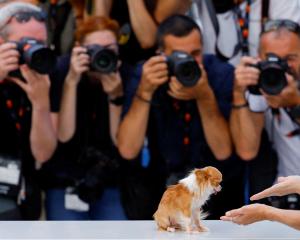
(215, 23)
(265, 11)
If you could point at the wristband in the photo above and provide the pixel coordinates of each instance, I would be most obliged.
(118, 101)
(239, 106)
(143, 99)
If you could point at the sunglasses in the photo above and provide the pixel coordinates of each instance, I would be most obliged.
(273, 25)
(23, 17)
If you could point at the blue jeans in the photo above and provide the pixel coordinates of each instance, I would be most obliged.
(108, 207)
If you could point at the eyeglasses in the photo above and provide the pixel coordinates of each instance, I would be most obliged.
(23, 17)
(273, 25)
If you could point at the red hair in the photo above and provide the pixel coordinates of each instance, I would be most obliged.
(93, 24)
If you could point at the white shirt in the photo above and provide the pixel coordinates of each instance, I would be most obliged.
(287, 148)
(278, 9)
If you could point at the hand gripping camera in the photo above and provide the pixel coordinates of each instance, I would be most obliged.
(272, 79)
(184, 67)
(36, 55)
(103, 60)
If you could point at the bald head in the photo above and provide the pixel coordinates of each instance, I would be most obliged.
(283, 43)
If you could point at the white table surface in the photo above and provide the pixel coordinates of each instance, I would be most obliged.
(138, 230)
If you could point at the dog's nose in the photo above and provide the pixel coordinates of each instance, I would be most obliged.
(218, 188)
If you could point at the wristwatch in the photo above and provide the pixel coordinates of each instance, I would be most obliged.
(295, 112)
(118, 101)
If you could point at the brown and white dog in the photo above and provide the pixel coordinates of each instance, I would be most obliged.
(180, 206)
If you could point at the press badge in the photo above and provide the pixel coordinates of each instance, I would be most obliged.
(73, 202)
(10, 176)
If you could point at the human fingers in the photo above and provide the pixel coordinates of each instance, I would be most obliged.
(155, 60)
(246, 60)
(272, 191)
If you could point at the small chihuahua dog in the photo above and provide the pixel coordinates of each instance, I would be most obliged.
(180, 206)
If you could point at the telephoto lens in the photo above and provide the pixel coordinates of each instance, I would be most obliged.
(103, 60)
(184, 67)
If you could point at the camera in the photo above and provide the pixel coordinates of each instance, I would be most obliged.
(272, 79)
(36, 55)
(101, 171)
(184, 67)
(103, 60)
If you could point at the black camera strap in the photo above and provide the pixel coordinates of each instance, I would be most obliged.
(11, 166)
(242, 24)
(265, 11)
(215, 23)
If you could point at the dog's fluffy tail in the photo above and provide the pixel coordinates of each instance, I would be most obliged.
(203, 215)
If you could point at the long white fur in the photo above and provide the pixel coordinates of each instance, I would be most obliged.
(191, 183)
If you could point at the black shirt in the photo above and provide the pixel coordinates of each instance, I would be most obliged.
(92, 131)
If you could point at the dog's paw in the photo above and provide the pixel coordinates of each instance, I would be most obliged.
(171, 229)
(202, 228)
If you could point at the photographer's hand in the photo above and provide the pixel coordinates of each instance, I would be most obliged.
(67, 114)
(111, 82)
(215, 127)
(9, 59)
(200, 90)
(155, 73)
(36, 87)
(43, 137)
(245, 76)
(288, 97)
(79, 64)
(285, 185)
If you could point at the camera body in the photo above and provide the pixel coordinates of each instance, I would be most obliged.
(184, 67)
(101, 171)
(103, 60)
(36, 55)
(272, 79)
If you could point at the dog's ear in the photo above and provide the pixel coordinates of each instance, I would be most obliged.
(202, 174)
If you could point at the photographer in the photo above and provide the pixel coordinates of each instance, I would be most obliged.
(27, 127)
(183, 118)
(275, 76)
(82, 178)
(232, 27)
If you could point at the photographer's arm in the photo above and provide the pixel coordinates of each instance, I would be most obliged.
(144, 26)
(112, 86)
(216, 128)
(246, 126)
(43, 139)
(102, 8)
(133, 128)
(67, 113)
(115, 119)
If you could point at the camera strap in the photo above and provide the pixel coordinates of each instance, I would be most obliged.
(12, 184)
(242, 19)
(265, 11)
